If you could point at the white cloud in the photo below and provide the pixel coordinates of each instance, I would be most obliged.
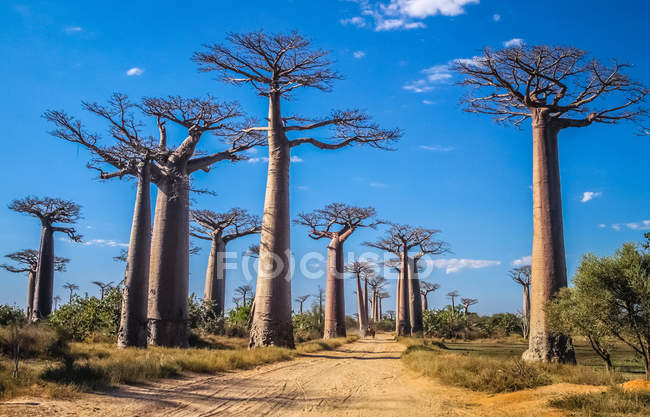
(602, 226)
(513, 42)
(456, 265)
(616, 227)
(378, 185)
(105, 242)
(302, 187)
(642, 225)
(436, 148)
(589, 195)
(266, 160)
(496, 17)
(428, 102)
(357, 21)
(135, 71)
(434, 75)
(405, 14)
(73, 29)
(359, 54)
(524, 260)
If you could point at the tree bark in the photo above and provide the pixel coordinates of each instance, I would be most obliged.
(425, 302)
(44, 286)
(365, 299)
(31, 285)
(215, 276)
(526, 311)
(333, 286)
(404, 317)
(415, 301)
(341, 331)
(548, 259)
(271, 323)
(169, 268)
(133, 319)
(363, 320)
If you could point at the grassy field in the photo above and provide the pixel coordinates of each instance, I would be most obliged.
(494, 366)
(86, 366)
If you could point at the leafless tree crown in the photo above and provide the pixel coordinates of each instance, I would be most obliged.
(360, 268)
(427, 287)
(27, 260)
(50, 211)
(467, 302)
(559, 83)
(401, 236)
(229, 225)
(521, 275)
(337, 218)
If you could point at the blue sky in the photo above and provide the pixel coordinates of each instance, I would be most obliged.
(453, 171)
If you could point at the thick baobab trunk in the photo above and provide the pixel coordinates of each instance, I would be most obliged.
(373, 305)
(169, 267)
(415, 301)
(271, 323)
(526, 311)
(379, 309)
(365, 299)
(44, 286)
(404, 316)
(425, 302)
(31, 285)
(133, 319)
(334, 311)
(363, 317)
(548, 263)
(215, 276)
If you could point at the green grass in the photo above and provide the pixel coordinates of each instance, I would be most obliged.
(613, 402)
(497, 368)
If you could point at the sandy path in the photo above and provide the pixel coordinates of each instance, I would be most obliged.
(365, 378)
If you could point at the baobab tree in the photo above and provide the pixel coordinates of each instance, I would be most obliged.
(57, 300)
(50, 211)
(130, 154)
(276, 65)
(169, 265)
(452, 296)
(556, 88)
(399, 240)
(236, 300)
(380, 296)
(301, 300)
(336, 222)
(72, 288)
(220, 229)
(425, 289)
(27, 262)
(521, 275)
(243, 291)
(376, 283)
(467, 302)
(103, 286)
(358, 269)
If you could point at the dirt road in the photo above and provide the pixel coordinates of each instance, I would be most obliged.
(365, 378)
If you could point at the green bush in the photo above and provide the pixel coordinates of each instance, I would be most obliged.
(203, 316)
(385, 325)
(9, 315)
(86, 316)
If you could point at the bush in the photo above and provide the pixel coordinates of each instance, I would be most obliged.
(204, 317)
(9, 315)
(85, 316)
(35, 341)
(385, 325)
(307, 326)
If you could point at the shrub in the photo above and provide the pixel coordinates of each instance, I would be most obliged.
(9, 315)
(85, 316)
(35, 340)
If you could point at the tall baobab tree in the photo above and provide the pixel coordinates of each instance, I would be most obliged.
(243, 291)
(169, 265)
(358, 269)
(57, 300)
(72, 288)
(130, 154)
(521, 275)
(336, 222)
(301, 300)
(452, 296)
(50, 211)
(467, 302)
(377, 284)
(426, 288)
(27, 261)
(399, 240)
(556, 88)
(276, 65)
(103, 286)
(220, 229)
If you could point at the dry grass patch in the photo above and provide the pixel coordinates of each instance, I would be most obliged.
(613, 402)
